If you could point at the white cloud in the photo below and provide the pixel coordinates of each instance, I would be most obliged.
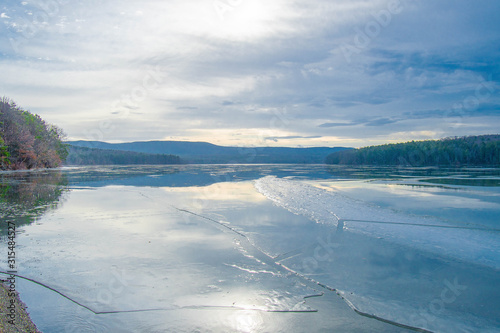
(225, 70)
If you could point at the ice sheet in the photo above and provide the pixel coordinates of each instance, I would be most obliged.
(441, 279)
(464, 242)
(212, 254)
(142, 265)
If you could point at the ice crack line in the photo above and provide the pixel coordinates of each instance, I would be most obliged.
(172, 308)
(421, 225)
(212, 220)
(73, 300)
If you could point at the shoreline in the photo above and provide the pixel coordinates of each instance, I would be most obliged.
(22, 321)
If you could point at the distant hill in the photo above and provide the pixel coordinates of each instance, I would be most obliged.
(457, 151)
(94, 156)
(203, 152)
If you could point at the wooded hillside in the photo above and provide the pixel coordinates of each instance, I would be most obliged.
(93, 156)
(27, 141)
(470, 150)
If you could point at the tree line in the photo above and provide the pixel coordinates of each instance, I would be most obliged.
(27, 141)
(94, 156)
(456, 151)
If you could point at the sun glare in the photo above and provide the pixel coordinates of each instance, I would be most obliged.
(248, 321)
(239, 19)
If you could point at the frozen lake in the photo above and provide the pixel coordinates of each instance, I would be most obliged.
(256, 248)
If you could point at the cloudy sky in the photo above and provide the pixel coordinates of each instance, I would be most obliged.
(255, 72)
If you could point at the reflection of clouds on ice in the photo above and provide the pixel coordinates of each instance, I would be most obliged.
(228, 191)
(326, 207)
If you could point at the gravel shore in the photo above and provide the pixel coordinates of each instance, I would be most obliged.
(13, 307)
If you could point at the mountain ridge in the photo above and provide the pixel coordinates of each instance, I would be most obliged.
(205, 152)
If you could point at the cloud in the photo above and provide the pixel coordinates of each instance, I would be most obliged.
(291, 137)
(329, 125)
(273, 70)
(364, 122)
(381, 122)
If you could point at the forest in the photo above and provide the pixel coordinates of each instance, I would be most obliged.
(27, 141)
(455, 151)
(94, 156)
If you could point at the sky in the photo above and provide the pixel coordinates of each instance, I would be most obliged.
(297, 73)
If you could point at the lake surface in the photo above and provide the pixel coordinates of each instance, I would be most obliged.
(256, 248)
